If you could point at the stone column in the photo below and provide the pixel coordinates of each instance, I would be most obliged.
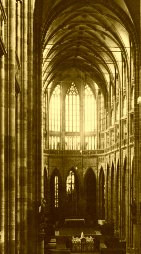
(107, 192)
(17, 168)
(114, 195)
(37, 124)
(110, 193)
(128, 168)
(120, 151)
(2, 185)
(18, 126)
(137, 236)
(23, 137)
(11, 133)
(18, 29)
(138, 139)
(31, 245)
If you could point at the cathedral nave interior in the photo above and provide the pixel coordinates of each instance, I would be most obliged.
(70, 122)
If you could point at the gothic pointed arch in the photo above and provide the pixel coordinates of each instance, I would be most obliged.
(45, 183)
(112, 192)
(101, 194)
(55, 195)
(90, 195)
(72, 194)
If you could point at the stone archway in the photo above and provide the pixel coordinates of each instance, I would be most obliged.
(72, 195)
(55, 208)
(90, 194)
(101, 194)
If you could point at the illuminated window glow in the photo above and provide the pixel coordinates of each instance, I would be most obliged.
(54, 142)
(72, 115)
(64, 125)
(90, 119)
(90, 110)
(72, 142)
(101, 113)
(70, 183)
(56, 196)
(90, 142)
(132, 97)
(54, 113)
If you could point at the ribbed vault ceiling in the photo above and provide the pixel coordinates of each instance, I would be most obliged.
(85, 41)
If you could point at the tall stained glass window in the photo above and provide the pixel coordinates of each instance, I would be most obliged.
(72, 114)
(54, 119)
(90, 119)
(54, 112)
(70, 184)
(72, 119)
(65, 131)
(56, 196)
(101, 113)
(90, 110)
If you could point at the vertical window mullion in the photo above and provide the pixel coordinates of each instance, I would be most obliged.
(72, 114)
(54, 117)
(90, 117)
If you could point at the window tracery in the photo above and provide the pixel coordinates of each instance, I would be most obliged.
(70, 121)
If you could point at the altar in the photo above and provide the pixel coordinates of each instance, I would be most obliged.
(83, 244)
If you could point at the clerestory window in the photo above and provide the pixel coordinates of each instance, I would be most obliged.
(72, 111)
(90, 113)
(54, 113)
(72, 118)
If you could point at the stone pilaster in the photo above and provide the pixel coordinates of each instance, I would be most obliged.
(18, 127)
(2, 185)
(30, 105)
(18, 173)
(37, 119)
(137, 233)
(11, 126)
(23, 137)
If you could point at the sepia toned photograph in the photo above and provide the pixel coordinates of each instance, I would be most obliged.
(70, 127)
